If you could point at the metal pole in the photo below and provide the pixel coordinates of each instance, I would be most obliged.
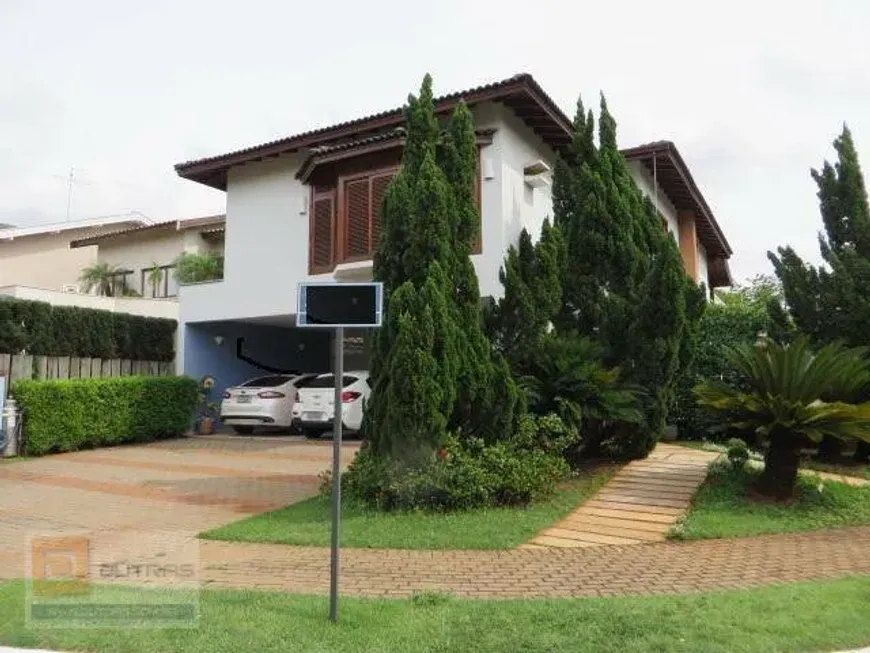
(336, 476)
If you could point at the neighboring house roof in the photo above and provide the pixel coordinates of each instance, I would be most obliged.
(520, 92)
(208, 224)
(132, 219)
(663, 160)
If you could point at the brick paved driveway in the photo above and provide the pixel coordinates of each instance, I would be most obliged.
(146, 503)
(118, 496)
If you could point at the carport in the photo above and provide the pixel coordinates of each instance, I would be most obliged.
(233, 351)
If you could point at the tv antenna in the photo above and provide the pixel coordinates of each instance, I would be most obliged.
(71, 179)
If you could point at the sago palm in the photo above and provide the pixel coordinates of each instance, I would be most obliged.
(565, 376)
(795, 396)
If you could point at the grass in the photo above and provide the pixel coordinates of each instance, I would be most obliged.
(307, 523)
(725, 506)
(797, 617)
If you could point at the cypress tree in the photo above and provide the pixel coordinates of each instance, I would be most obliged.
(833, 303)
(623, 282)
(433, 317)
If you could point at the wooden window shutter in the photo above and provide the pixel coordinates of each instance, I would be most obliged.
(380, 183)
(357, 196)
(322, 232)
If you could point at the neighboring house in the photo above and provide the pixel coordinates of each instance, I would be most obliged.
(145, 256)
(305, 208)
(40, 256)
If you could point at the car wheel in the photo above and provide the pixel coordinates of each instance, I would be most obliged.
(311, 434)
(243, 430)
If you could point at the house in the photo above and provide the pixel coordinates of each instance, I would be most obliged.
(145, 255)
(40, 256)
(305, 208)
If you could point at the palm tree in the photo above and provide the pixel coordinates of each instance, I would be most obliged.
(100, 276)
(154, 278)
(793, 396)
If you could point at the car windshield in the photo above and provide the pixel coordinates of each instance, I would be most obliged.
(266, 382)
(328, 381)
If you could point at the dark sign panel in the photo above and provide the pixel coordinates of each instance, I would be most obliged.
(339, 305)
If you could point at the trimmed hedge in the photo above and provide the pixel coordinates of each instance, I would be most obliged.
(85, 413)
(45, 330)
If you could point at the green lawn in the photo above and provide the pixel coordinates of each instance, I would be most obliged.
(307, 523)
(819, 616)
(726, 507)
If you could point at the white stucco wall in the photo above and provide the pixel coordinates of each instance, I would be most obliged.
(141, 251)
(520, 206)
(266, 246)
(644, 180)
(266, 250)
(703, 269)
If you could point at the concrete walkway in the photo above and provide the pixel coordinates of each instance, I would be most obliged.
(639, 504)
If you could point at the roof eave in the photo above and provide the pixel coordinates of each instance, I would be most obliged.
(213, 171)
(667, 148)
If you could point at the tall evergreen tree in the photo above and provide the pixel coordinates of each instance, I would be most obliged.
(623, 283)
(429, 227)
(833, 302)
(532, 281)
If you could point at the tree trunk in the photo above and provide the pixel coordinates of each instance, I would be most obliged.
(830, 449)
(780, 466)
(862, 453)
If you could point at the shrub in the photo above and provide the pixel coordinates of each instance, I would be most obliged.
(464, 474)
(738, 453)
(194, 268)
(45, 330)
(83, 413)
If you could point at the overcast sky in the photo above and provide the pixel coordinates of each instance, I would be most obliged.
(752, 93)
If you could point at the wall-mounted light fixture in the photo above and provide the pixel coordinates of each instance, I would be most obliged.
(487, 170)
(218, 340)
(303, 204)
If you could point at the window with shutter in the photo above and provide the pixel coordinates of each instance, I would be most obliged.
(322, 236)
(380, 183)
(361, 199)
(357, 198)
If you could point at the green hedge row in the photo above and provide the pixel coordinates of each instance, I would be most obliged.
(85, 413)
(45, 330)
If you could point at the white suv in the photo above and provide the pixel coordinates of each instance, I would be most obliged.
(315, 403)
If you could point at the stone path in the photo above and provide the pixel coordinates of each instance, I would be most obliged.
(639, 504)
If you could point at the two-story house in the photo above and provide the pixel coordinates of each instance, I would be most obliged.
(306, 208)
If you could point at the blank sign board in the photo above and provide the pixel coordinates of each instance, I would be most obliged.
(339, 305)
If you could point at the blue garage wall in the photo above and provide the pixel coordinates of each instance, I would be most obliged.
(274, 346)
(203, 356)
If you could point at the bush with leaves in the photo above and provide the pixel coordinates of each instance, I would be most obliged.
(77, 414)
(793, 396)
(41, 329)
(195, 268)
(738, 453)
(467, 473)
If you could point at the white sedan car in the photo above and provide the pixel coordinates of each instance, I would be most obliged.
(315, 408)
(263, 401)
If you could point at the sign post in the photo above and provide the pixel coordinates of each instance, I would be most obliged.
(336, 477)
(336, 306)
